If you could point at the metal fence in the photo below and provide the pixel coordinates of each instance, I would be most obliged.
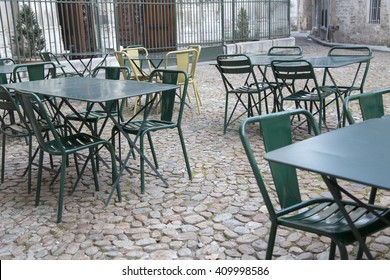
(92, 26)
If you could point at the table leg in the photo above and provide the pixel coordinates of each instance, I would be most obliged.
(71, 64)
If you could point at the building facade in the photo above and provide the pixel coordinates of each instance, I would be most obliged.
(352, 21)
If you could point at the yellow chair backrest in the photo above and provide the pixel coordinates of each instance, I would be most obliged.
(120, 57)
(186, 60)
(135, 64)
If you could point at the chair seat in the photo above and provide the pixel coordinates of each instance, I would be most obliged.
(73, 143)
(309, 96)
(323, 217)
(135, 127)
(92, 116)
(15, 130)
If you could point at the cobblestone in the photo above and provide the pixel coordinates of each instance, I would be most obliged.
(219, 215)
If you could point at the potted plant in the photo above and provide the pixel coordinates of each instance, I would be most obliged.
(29, 39)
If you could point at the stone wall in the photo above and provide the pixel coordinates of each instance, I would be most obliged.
(351, 17)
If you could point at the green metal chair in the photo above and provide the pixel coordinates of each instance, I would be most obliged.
(370, 105)
(4, 61)
(343, 51)
(11, 128)
(93, 117)
(281, 51)
(59, 145)
(319, 215)
(298, 80)
(358, 82)
(49, 56)
(240, 81)
(34, 71)
(169, 118)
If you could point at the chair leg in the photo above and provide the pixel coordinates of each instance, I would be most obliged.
(142, 163)
(3, 159)
(225, 123)
(96, 153)
(114, 170)
(152, 149)
(332, 250)
(271, 242)
(197, 96)
(183, 146)
(29, 163)
(61, 191)
(39, 178)
(94, 167)
(343, 251)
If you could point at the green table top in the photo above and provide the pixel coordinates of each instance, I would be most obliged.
(265, 60)
(358, 153)
(317, 62)
(90, 89)
(336, 61)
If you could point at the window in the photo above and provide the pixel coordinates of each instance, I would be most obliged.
(375, 11)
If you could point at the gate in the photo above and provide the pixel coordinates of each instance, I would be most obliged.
(77, 26)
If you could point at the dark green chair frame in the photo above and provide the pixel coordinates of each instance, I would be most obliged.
(3, 77)
(370, 103)
(285, 51)
(342, 51)
(298, 78)
(61, 145)
(11, 128)
(319, 215)
(239, 80)
(35, 71)
(167, 120)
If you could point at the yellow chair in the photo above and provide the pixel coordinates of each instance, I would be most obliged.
(185, 60)
(126, 58)
(136, 65)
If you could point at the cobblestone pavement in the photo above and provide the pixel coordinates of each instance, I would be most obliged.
(217, 215)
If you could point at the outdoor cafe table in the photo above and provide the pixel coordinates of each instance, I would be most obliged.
(87, 66)
(359, 153)
(95, 91)
(323, 62)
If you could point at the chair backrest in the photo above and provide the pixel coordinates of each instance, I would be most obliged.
(7, 106)
(35, 112)
(168, 97)
(236, 71)
(285, 51)
(198, 48)
(185, 60)
(135, 64)
(371, 105)
(112, 73)
(5, 61)
(51, 57)
(35, 71)
(342, 51)
(296, 75)
(276, 133)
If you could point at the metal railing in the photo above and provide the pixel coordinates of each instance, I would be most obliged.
(96, 26)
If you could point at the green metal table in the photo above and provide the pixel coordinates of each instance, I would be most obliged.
(359, 153)
(95, 91)
(89, 56)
